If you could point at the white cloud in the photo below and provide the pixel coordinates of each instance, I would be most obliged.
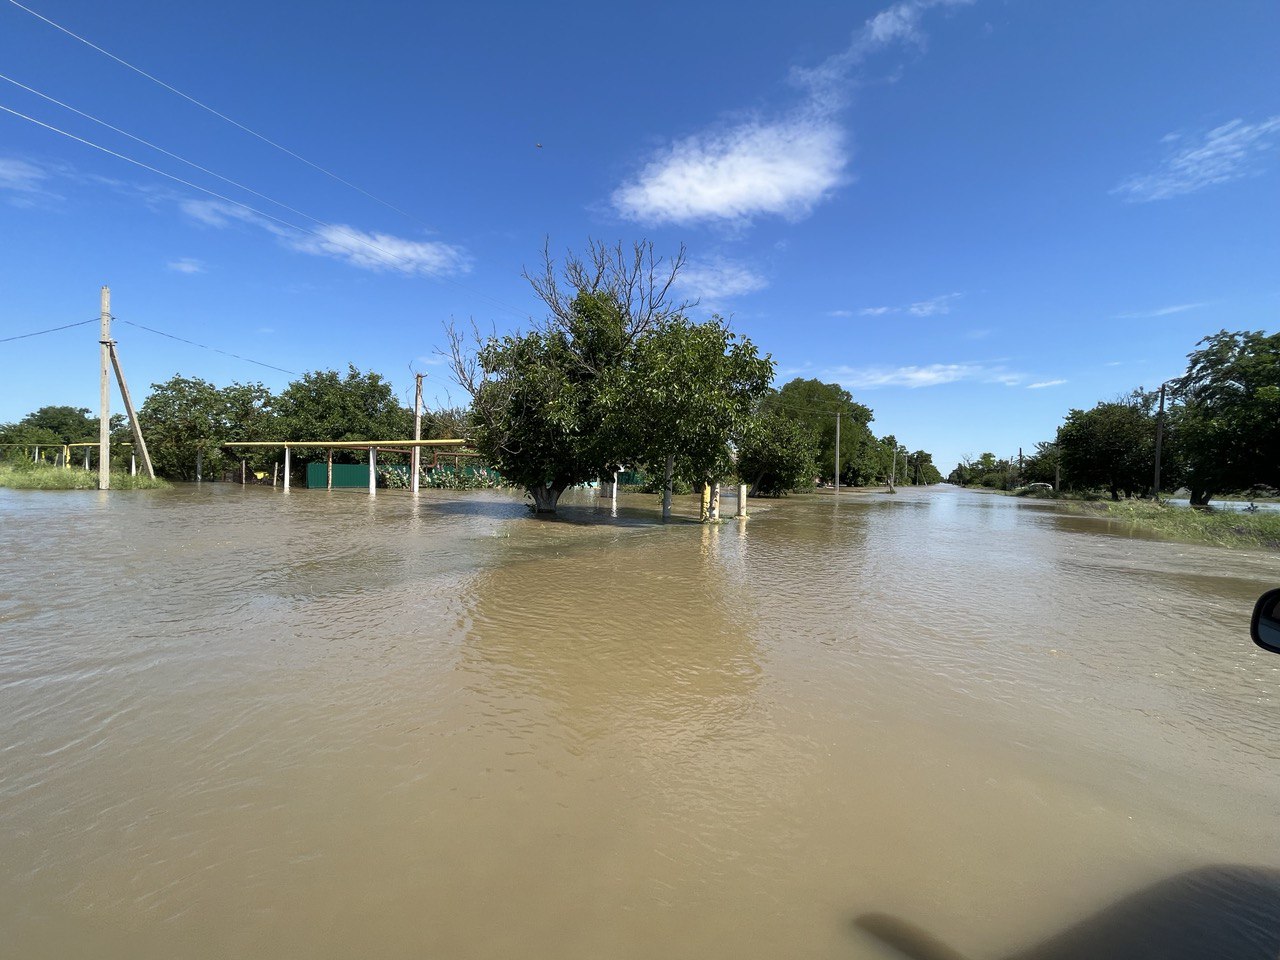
(23, 183)
(715, 279)
(935, 306)
(383, 251)
(781, 166)
(840, 313)
(186, 265)
(731, 176)
(217, 213)
(1225, 153)
(359, 248)
(1045, 383)
(929, 375)
(20, 175)
(1160, 312)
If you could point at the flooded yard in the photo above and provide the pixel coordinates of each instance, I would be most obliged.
(242, 723)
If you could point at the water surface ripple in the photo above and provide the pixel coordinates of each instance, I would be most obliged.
(235, 722)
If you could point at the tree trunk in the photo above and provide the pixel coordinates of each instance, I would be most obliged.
(667, 479)
(1115, 494)
(1200, 498)
(545, 498)
(704, 514)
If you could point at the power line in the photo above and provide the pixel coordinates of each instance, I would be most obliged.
(254, 210)
(65, 326)
(223, 116)
(226, 353)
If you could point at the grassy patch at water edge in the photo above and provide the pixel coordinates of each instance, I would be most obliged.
(43, 477)
(1226, 528)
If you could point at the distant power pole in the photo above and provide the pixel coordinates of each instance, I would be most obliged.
(1159, 443)
(416, 457)
(104, 395)
(837, 451)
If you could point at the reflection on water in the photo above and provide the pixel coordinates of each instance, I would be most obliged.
(237, 722)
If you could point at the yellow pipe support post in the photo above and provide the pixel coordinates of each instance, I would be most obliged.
(373, 471)
(286, 469)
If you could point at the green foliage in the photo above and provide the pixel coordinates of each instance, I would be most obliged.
(690, 393)
(325, 405)
(1226, 528)
(25, 475)
(186, 416)
(1111, 446)
(776, 456)
(813, 405)
(1226, 429)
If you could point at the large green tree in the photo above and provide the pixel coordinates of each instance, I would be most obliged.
(688, 398)
(328, 405)
(776, 456)
(814, 405)
(1111, 447)
(1226, 426)
(186, 420)
(549, 407)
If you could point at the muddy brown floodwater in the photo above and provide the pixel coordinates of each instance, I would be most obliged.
(240, 723)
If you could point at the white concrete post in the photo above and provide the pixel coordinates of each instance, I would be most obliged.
(286, 469)
(373, 471)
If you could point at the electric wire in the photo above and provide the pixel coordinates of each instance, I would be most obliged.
(223, 116)
(205, 346)
(254, 210)
(65, 326)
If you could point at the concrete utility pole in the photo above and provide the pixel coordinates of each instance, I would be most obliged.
(104, 396)
(139, 444)
(415, 458)
(837, 451)
(1159, 443)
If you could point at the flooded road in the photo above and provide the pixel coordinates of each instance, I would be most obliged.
(239, 723)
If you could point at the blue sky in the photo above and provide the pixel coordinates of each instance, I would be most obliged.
(975, 216)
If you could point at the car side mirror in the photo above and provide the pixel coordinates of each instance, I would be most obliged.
(1265, 626)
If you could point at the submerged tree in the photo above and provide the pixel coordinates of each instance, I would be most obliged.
(688, 399)
(776, 456)
(547, 405)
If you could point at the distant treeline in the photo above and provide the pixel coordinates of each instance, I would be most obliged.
(1221, 432)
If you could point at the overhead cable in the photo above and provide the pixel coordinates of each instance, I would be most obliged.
(203, 346)
(223, 116)
(65, 326)
(391, 255)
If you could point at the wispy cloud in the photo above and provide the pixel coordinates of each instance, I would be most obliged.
(186, 265)
(934, 306)
(359, 248)
(713, 280)
(1159, 312)
(383, 251)
(842, 314)
(767, 166)
(929, 375)
(23, 183)
(1228, 152)
(1045, 383)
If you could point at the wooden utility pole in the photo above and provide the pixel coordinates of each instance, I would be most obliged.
(415, 458)
(104, 394)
